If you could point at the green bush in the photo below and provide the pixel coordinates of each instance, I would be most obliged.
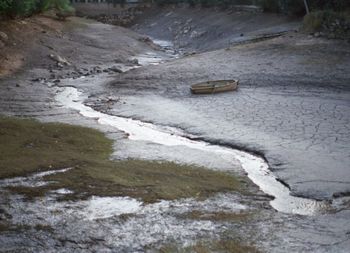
(23, 8)
(336, 5)
(13, 8)
(333, 24)
(313, 22)
(270, 5)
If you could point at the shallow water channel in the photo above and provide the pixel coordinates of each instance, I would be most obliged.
(256, 167)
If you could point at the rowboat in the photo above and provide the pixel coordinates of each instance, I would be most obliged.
(210, 87)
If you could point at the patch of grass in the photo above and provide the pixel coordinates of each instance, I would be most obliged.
(227, 246)
(44, 228)
(32, 146)
(313, 22)
(216, 216)
(150, 181)
(5, 227)
(28, 146)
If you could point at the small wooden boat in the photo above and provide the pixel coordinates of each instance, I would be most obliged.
(214, 86)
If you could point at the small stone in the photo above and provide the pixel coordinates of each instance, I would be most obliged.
(332, 36)
(116, 69)
(3, 36)
(134, 61)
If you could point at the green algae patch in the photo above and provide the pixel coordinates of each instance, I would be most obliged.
(208, 246)
(219, 216)
(28, 146)
(32, 146)
(149, 181)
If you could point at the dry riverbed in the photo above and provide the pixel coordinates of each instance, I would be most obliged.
(134, 186)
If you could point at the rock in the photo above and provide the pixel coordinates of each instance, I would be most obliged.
(36, 79)
(60, 60)
(332, 36)
(57, 81)
(145, 39)
(134, 61)
(115, 69)
(190, 53)
(3, 37)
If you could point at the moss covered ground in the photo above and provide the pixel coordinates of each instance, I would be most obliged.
(227, 246)
(28, 146)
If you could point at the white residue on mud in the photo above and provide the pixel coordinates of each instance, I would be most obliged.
(34, 180)
(155, 58)
(121, 223)
(149, 58)
(256, 167)
(106, 207)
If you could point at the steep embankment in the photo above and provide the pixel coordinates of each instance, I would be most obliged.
(203, 29)
(75, 45)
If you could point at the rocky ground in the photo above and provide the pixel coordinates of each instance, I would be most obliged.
(292, 107)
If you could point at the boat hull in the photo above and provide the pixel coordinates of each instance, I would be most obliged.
(211, 87)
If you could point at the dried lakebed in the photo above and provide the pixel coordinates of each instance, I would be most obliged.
(256, 167)
(125, 224)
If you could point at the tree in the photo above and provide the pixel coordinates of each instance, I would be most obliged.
(23, 8)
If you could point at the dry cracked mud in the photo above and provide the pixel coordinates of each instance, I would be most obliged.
(292, 108)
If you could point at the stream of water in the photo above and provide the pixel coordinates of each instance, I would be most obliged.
(256, 167)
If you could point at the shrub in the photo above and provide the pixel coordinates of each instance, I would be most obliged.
(313, 22)
(333, 24)
(22, 8)
(270, 5)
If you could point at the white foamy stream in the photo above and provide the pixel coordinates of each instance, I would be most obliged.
(256, 167)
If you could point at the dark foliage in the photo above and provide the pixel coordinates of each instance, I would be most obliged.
(23, 8)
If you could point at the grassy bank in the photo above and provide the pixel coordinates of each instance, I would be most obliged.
(29, 146)
(224, 245)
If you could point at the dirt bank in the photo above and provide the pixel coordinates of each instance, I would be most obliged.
(202, 29)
